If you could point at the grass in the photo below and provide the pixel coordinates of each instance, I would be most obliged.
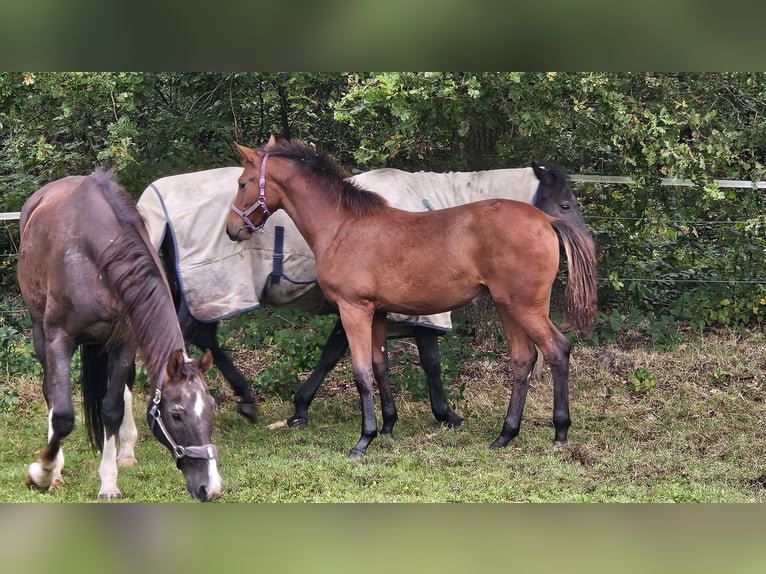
(694, 435)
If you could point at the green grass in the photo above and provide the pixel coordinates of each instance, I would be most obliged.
(695, 437)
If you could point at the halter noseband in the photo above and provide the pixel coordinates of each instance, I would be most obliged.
(205, 451)
(260, 203)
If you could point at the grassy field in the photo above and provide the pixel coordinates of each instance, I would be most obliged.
(685, 425)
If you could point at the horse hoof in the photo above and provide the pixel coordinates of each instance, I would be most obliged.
(455, 422)
(248, 410)
(30, 482)
(498, 443)
(107, 496)
(38, 478)
(356, 454)
(297, 422)
(127, 462)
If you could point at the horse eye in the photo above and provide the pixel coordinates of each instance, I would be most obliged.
(176, 417)
(242, 185)
(565, 206)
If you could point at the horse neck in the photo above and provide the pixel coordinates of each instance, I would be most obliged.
(149, 311)
(155, 346)
(313, 212)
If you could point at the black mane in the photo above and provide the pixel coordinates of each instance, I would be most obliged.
(350, 197)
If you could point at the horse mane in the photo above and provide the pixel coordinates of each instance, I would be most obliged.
(349, 196)
(132, 271)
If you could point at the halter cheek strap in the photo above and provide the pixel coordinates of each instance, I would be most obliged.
(260, 203)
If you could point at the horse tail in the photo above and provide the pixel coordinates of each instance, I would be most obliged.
(580, 295)
(94, 379)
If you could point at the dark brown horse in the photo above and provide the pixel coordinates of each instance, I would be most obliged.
(372, 258)
(90, 277)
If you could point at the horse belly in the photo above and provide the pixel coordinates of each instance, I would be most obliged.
(431, 301)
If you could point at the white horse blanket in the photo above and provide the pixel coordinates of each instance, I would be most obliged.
(221, 278)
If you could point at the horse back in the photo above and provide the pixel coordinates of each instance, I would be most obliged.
(52, 191)
(65, 225)
(397, 257)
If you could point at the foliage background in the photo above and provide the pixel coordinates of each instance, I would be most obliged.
(667, 255)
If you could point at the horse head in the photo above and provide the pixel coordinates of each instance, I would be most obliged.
(554, 195)
(181, 417)
(250, 209)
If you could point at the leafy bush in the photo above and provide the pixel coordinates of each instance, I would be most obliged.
(292, 340)
(16, 350)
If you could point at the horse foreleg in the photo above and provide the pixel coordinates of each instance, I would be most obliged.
(55, 353)
(117, 416)
(358, 325)
(45, 474)
(128, 433)
(430, 360)
(333, 350)
(380, 369)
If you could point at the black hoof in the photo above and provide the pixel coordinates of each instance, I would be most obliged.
(451, 419)
(355, 454)
(297, 422)
(455, 422)
(248, 410)
(499, 442)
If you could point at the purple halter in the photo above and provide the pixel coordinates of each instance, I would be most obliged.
(260, 203)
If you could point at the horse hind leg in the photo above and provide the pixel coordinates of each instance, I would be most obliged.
(380, 369)
(555, 348)
(430, 360)
(333, 350)
(205, 336)
(523, 356)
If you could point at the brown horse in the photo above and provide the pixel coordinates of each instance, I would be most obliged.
(372, 258)
(90, 277)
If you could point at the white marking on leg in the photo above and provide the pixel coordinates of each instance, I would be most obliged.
(47, 476)
(58, 464)
(107, 470)
(126, 456)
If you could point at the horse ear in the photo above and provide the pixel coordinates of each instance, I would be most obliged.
(205, 361)
(175, 363)
(246, 152)
(272, 141)
(541, 172)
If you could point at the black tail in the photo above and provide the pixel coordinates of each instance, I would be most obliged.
(95, 375)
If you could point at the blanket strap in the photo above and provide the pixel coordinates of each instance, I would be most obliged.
(279, 241)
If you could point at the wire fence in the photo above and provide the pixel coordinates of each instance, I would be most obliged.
(9, 218)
